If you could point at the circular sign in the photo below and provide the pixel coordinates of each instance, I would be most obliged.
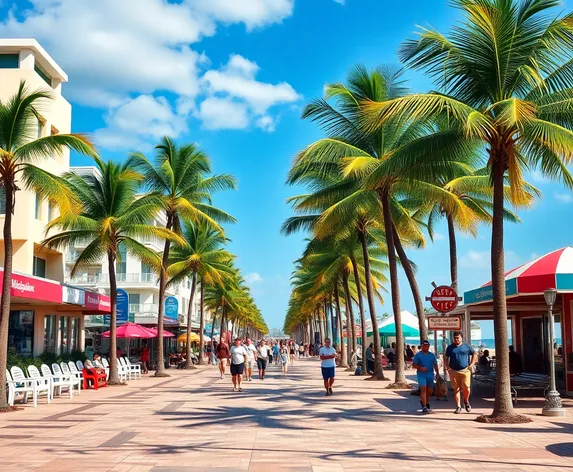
(444, 299)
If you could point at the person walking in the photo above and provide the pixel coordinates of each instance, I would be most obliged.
(460, 360)
(291, 352)
(425, 363)
(223, 355)
(144, 357)
(327, 356)
(238, 360)
(276, 353)
(251, 358)
(370, 359)
(284, 361)
(262, 358)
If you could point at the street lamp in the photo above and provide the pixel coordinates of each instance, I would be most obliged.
(552, 405)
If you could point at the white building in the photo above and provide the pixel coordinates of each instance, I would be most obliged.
(136, 278)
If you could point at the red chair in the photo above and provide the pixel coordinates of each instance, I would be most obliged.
(98, 378)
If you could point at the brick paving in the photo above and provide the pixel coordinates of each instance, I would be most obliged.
(192, 421)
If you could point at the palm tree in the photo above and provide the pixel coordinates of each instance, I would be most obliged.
(110, 214)
(391, 160)
(503, 75)
(179, 175)
(205, 260)
(20, 151)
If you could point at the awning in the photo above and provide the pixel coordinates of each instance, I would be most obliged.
(409, 326)
(553, 270)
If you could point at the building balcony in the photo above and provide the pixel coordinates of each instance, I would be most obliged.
(144, 308)
(137, 278)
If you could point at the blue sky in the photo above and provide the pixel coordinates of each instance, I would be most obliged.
(233, 77)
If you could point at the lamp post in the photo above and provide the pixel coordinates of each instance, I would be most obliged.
(552, 405)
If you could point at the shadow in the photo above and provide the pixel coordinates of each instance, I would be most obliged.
(561, 449)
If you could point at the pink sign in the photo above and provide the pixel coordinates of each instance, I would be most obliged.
(97, 302)
(33, 288)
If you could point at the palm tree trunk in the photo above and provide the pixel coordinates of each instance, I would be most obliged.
(160, 372)
(320, 325)
(343, 356)
(113, 375)
(6, 286)
(221, 334)
(378, 369)
(349, 312)
(361, 308)
(201, 325)
(411, 276)
(325, 307)
(453, 253)
(332, 325)
(189, 362)
(213, 326)
(400, 378)
(503, 407)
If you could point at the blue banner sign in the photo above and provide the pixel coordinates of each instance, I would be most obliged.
(122, 308)
(485, 294)
(171, 308)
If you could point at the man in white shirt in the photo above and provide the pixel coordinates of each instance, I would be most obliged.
(262, 358)
(238, 359)
(251, 358)
(327, 356)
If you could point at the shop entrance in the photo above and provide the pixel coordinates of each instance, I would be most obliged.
(533, 342)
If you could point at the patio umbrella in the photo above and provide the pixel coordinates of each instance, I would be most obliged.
(153, 331)
(130, 330)
(183, 338)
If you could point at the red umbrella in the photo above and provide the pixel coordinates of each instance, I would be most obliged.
(131, 330)
(153, 331)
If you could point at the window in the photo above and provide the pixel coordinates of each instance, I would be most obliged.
(2, 200)
(50, 333)
(134, 298)
(121, 263)
(50, 211)
(64, 341)
(43, 74)
(39, 267)
(146, 268)
(21, 332)
(9, 61)
(75, 334)
(38, 207)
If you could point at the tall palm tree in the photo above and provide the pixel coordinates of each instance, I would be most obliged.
(503, 76)
(206, 261)
(390, 160)
(180, 174)
(110, 214)
(20, 152)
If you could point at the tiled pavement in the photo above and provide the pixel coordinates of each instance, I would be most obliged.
(192, 421)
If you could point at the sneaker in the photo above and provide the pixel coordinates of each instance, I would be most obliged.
(240, 389)
(458, 410)
(428, 406)
(234, 389)
(424, 410)
(250, 379)
(327, 393)
(468, 407)
(330, 391)
(221, 375)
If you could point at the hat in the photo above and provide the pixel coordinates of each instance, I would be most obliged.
(425, 341)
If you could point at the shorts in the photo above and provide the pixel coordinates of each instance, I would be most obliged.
(250, 363)
(460, 378)
(425, 379)
(237, 369)
(328, 372)
(262, 364)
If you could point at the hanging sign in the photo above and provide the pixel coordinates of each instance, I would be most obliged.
(444, 299)
(444, 323)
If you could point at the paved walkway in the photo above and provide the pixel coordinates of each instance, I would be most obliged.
(192, 421)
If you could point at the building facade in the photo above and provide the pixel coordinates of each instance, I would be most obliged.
(45, 314)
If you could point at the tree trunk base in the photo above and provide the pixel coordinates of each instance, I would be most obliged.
(349, 369)
(188, 366)
(374, 377)
(504, 419)
(161, 374)
(399, 386)
(10, 409)
(116, 383)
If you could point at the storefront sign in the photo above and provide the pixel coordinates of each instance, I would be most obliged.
(444, 323)
(73, 295)
(97, 302)
(485, 294)
(171, 308)
(33, 288)
(444, 299)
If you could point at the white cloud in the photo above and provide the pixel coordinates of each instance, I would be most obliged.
(439, 237)
(266, 123)
(140, 122)
(125, 49)
(253, 278)
(482, 260)
(223, 113)
(564, 197)
(340, 2)
(538, 177)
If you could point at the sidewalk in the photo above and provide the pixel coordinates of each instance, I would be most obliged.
(193, 421)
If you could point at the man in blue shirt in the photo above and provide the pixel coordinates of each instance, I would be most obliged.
(460, 360)
(425, 363)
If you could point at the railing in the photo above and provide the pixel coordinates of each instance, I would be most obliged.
(144, 308)
(135, 278)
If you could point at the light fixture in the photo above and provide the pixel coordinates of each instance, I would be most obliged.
(550, 296)
(552, 405)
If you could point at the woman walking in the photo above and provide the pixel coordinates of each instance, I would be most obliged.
(284, 361)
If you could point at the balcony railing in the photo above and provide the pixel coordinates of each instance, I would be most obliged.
(140, 308)
(103, 279)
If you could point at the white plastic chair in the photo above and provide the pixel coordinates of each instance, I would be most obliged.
(131, 373)
(104, 365)
(34, 373)
(64, 372)
(135, 368)
(24, 385)
(121, 370)
(74, 370)
(80, 365)
(11, 388)
(58, 382)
